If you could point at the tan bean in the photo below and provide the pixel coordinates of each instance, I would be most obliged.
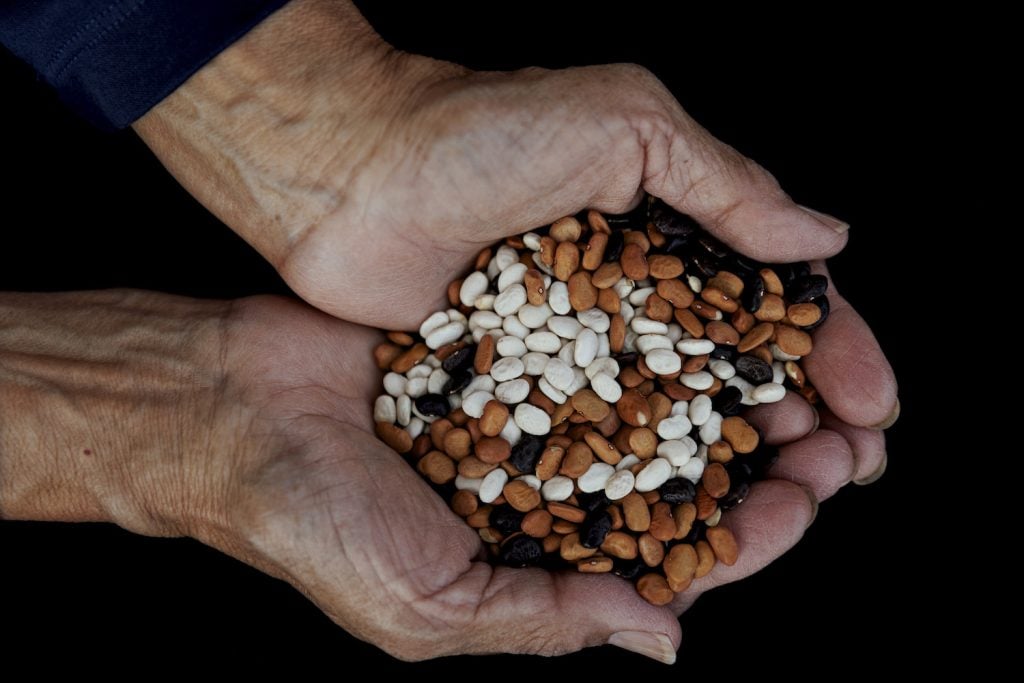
(676, 292)
(617, 333)
(772, 283)
(654, 589)
(633, 408)
(552, 542)
(802, 315)
(651, 550)
(659, 309)
(457, 442)
(680, 565)
(724, 544)
(404, 362)
(684, 515)
(603, 448)
(385, 354)
(758, 335)
(547, 250)
(582, 293)
(664, 266)
(597, 222)
(705, 559)
(719, 299)
(728, 283)
(593, 253)
(619, 544)
(702, 309)
(474, 468)
(706, 505)
(606, 275)
(795, 373)
(521, 496)
(689, 322)
(715, 480)
(394, 436)
(793, 341)
(608, 301)
(550, 461)
(634, 262)
(663, 526)
(494, 418)
(636, 512)
(595, 565)
(484, 357)
(566, 229)
(720, 451)
(437, 467)
(741, 436)
(643, 442)
(480, 518)
(464, 503)
(533, 281)
(772, 308)
(722, 332)
(572, 550)
(567, 260)
(743, 321)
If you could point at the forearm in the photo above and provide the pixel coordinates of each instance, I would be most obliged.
(102, 395)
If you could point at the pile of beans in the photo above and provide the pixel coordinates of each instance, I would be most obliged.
(580, 404)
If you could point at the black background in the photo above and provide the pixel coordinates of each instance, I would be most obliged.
(828, 115)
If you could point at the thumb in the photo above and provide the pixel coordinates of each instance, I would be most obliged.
(532, 611)
(730, 195)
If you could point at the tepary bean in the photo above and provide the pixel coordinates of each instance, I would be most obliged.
(582, 400)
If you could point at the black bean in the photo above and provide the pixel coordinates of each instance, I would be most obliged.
(460, 360)
(521, 551)
(807, 288)
(506, 519)
(526, 453)
(678, 490)
(457, 381)
(713, 247)
(753, 292)
(613, 250)
(762, 459)
(724, 352)
(591, 502)
(791, 272)
(743, 266)
(433, 405)
(624, 359)
(753, 369)
(728, 401)
(703, 265)
(697, 532)
(671, 223)
(594, 529)
(822, 303)
(738, 492)
(629, 569)
(677, 246)
(739, 470)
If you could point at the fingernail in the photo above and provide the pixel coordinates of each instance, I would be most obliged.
(657, 646)
(874, 476)
(891, 420)
(814, 505)
(830, 222)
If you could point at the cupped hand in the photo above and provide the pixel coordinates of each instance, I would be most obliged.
(312, 497)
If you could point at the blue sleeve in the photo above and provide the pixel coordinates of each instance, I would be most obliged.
(113, 60)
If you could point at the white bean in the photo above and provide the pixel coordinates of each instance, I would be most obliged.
(531, 241)
(722, 369)
(416, 426)
(568, 352)
(534, 362)
(434, 321)
(416, 387)
(694, 283)
(711, 431)
(779, 354)
(505, 369)
(491, 486)
(534, 317)
(603, 345)
(664, 362)
(680, 408)
(778, 372)
(403, 410)
(479, 383)
(695, 347)
(676, 452)
(627, 461)
(564, 326)
(586, 346)
(675, 332)
(696, 380)
(619, 485)
(505, 257)
(474, 285)
(556, 489)
(545, 342)
(510, 346)
(556, 395)
(674, 427)
(510, 301)
(653, 476)
(595, 319)
(558, 374)
(579, 381)
(646, 343)
(606, 387)
(514, 327)
(603, 366)
(511, 276)
(642, 325)
(511, 432)
(596, 477)
(435, 383)
(473, 405)
(700, 409)
(558, 298)
(623, 287)
(446, 334)
(484, 302)
(639, 295)
(394, 383)
(531, 480)
(421, 370)
(532, 419)
(745, 387)
(512, 392)
(486, 320)
(384, 409)
(768, 393)
(468, 483)
(692, 470)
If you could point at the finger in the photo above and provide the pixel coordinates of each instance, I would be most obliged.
(848, 367)
(732, 196)
(868, 448)
(823, 462)
(531, 611)
(790, 419)
(767, 524)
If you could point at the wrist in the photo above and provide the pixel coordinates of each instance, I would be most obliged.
(107, 404)
(264, 132)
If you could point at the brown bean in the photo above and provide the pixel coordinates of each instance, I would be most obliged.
(719, 299)
(533, 281)
(715, 480)
(481, 518)
(437, 467)
(547, 250)
(521, 496)
(675, 292)
(658, 309)
(538, 399)
(696, 363)
(755, 337)
(606, 275)
(643, 442)
(684, 515)
(619, 544)
(617, 333)
(705, 559)
(552, 542)
(722, 332)
(484, 357)
(705, 310)
(406, 339)
(651, 497)
(590, 405)
(572, 550)
(741, 436)
(630, 378)
(563, 527)
(582, 293)
(603, 448)
(453, 292)
(493, 449)
(597, 222)
(720, 451)
(421, 445)
(706, 505)
(728, 283)
(773, 308)
(663, 526)
(680, 565)
(618, 521)
(550, 461)
(608, 301)
(494, 418)
(724, 544)
(595, 565)
(457, 443)
(464, 503)
(567, 261)
(689, 322)
(772, 283)
(474, 468)
(593, 253)
(394, 436)
(742, 321)
(803, 315)
(664, 267)
(408, 358)
(636, 512)
(793, 341)
(566, 229)
(458, 417)
(577, 460)
(633, 408)
(634, 262)
(385, 354)
(795, 373)
(678, 392)
(654, 589)
(651, 550)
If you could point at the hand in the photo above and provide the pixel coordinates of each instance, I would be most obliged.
(369, 178)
